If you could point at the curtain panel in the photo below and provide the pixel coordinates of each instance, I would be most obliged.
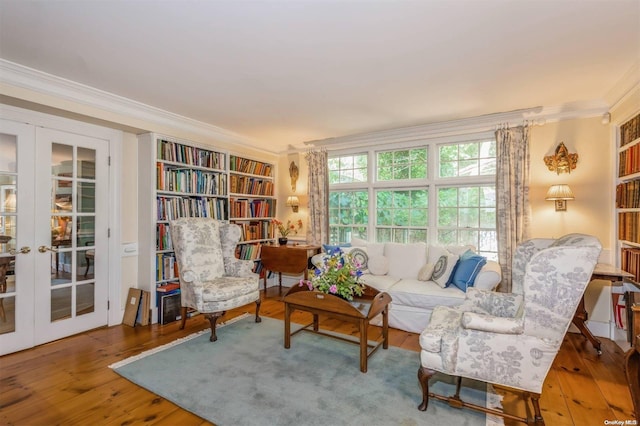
(318, 228)
(513, 210)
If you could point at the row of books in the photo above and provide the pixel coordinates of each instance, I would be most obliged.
(630, 262)
(242, 207)
(174, 207)
(248, 251)
(629, 226)
(163, 237)
(191, 181)
(629, 161)
(244, 165)
(628, 195)
(249, 185)
(176, 152)
(630, 131)
(166, 267)
(262, 230)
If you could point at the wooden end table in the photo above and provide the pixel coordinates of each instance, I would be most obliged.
(290, 259)
(360, 311)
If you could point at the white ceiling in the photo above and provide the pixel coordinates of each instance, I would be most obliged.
(283, 72)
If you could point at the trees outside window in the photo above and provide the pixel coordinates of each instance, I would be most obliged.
(391, 202)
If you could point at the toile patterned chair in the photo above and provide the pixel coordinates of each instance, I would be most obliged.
(212, 279)
(511, 339)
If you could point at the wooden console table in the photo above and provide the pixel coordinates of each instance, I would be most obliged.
(359, 311)
(604, 272)
(289, 259)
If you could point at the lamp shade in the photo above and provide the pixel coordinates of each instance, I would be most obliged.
(292, 201)
(559, 192)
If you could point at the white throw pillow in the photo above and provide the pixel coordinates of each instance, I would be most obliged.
(426, 272)
(358, 242)
(359, 254)
(378, 265)
(405, 260)
(443, 268)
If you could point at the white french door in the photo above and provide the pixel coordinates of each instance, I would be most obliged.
(55, 190)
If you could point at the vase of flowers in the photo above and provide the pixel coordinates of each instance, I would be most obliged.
(285, 230)
(339, 275)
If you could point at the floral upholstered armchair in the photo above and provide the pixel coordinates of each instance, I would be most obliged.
(212, 279)
(511, 339)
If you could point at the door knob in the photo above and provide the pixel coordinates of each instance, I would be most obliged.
(44, 249)
(23, 250)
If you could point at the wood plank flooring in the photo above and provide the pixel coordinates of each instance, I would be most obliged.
(68, 382)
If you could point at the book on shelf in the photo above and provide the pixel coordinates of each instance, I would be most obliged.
(179, 153)
(630, 130)
(245, 165)
(168, 287)
(169, 307)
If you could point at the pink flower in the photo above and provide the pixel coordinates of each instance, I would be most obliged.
(333, 289)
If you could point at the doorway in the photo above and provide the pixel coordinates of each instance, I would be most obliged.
(54, 256)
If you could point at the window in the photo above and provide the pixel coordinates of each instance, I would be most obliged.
(402, 215)
(468, 159)
(348, 215)
(456, 178)
(402, 164)
(348, 169)
(467, 215)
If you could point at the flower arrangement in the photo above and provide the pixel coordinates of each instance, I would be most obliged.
(290, 227)
(338, 275)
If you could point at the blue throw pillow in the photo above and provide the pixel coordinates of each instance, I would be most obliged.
(329, 249)
(467, 270)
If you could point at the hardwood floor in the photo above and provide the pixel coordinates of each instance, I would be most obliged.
(68, 382)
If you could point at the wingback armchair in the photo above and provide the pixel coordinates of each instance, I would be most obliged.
(212, 279)
(511, 339)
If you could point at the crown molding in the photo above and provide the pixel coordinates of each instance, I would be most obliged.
(47, 84)
(484, 123)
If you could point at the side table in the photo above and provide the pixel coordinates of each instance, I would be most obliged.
(289, 259)
(601, 272)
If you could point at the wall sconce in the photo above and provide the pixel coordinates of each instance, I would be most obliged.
(562, 161)
(293, 202)
(560, 194)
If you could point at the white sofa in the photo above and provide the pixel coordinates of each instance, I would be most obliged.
(395, 268)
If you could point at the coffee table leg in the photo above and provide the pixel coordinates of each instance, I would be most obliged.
(315, 322)
(287, 326)
(363, 345)
(385, 328)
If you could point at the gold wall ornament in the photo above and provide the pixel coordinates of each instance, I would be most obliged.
(562, 161)
(293, 174)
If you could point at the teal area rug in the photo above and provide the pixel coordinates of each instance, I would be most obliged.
(247, 377)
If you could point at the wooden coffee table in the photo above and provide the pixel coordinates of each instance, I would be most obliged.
(359, 311)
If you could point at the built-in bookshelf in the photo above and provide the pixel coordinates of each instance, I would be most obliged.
(252, 205)
(628, 196)
(176, 179)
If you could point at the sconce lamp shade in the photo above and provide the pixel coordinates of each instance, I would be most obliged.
(560, 194)
(293, 202)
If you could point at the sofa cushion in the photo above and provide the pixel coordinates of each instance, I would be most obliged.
(405, 260)
(467, 270)
(424, 294)
(426, 272)
(378, 265)
(379, 282)
(329, 249)
(443, 269)
(489, 277)
(359, 254)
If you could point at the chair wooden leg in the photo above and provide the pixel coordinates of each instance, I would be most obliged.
(537, 415)
(213, 318)
(258, 319)
(424, 374)
(183, 313)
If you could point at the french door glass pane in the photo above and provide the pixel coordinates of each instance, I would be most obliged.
(86, 163)
(61, 303)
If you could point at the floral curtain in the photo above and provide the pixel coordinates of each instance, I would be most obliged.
(318, 227)
(512, 196)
